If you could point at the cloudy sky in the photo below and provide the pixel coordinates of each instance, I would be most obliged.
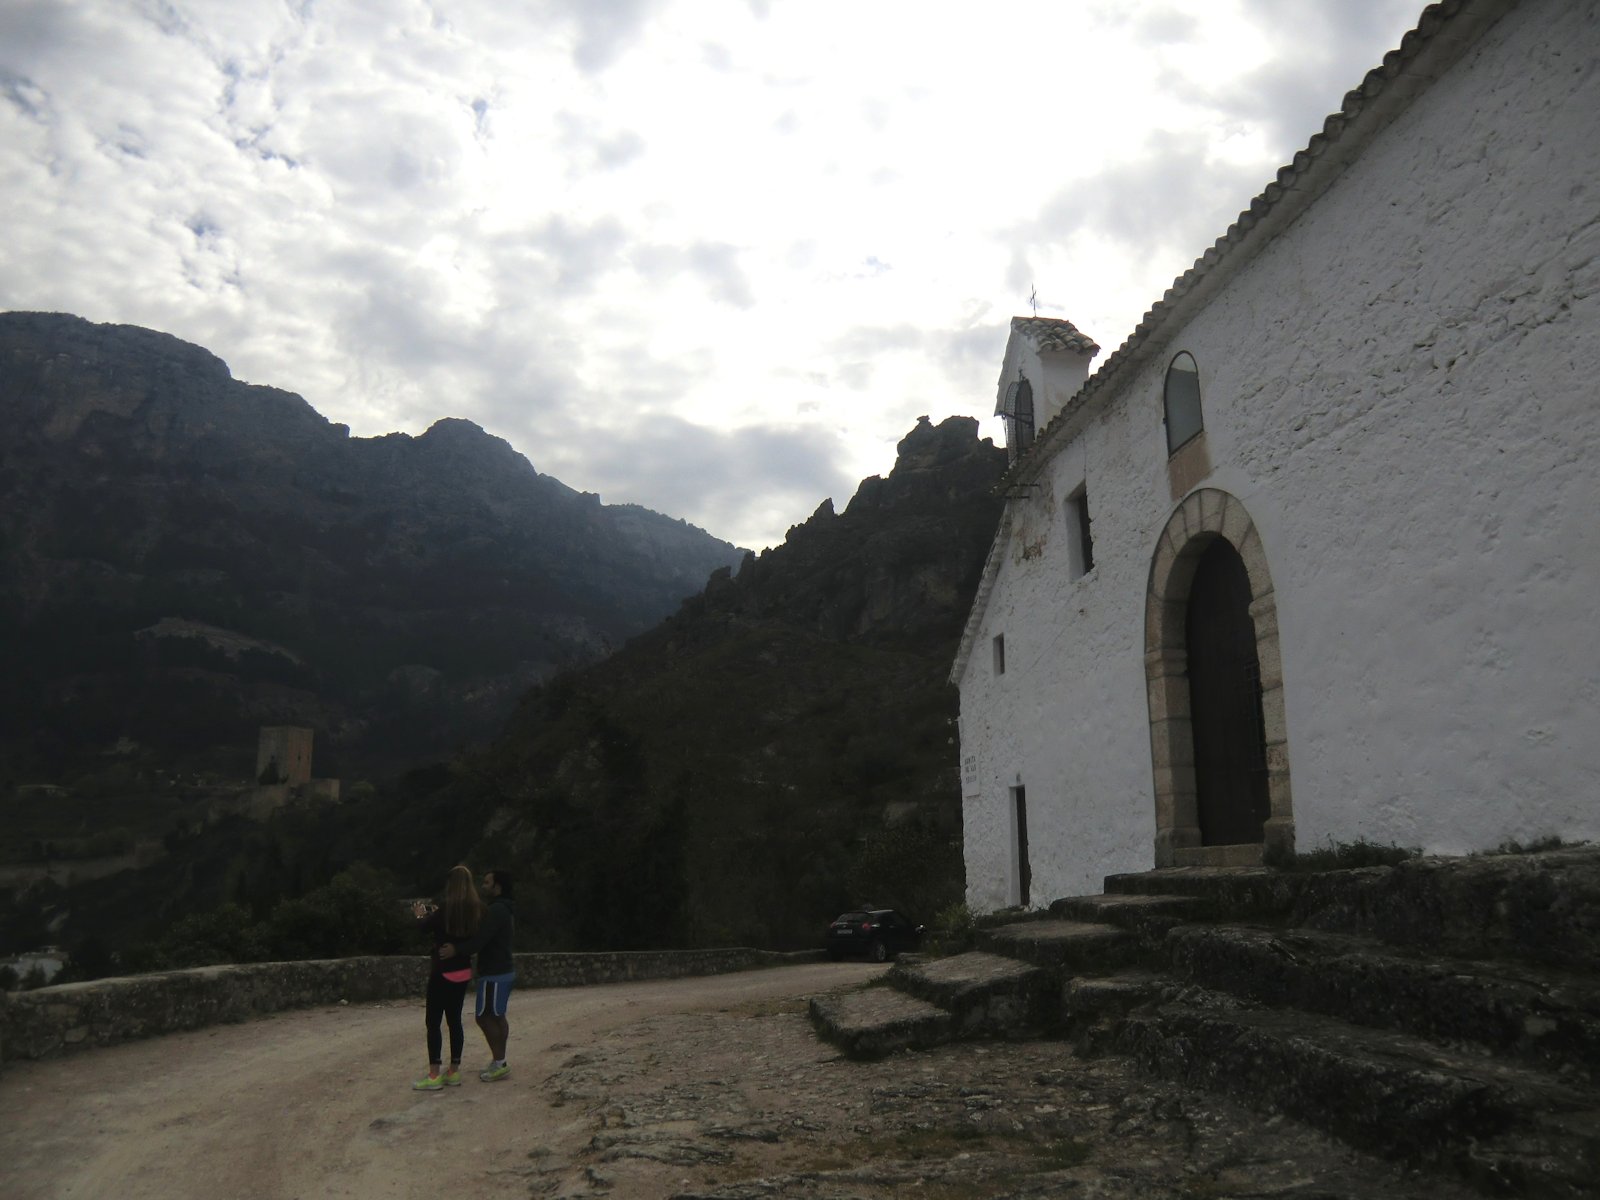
(710, 256)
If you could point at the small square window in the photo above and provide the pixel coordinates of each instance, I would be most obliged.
(1000, 654)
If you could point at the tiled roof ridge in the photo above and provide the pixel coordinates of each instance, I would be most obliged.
(1334, 127)
(1056, 333)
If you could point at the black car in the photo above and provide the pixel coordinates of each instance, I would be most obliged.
(877, 933)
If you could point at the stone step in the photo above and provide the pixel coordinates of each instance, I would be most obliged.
(1092, 1006)
(1542, 907)
(984, 994)
(1508, 1130)
(876, 1021)
(1540, 1015)
(1069, 947)
(1148, 917)
(1094, 996)
(1219, 893)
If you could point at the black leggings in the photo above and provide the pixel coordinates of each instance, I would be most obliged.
(444, 1000)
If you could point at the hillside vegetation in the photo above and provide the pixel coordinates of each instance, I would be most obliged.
(185, 557)
(780, 749)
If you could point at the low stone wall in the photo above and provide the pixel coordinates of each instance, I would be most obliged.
(627, 966)
(72, 1016)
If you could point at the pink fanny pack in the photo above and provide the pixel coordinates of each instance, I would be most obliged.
(460, 976)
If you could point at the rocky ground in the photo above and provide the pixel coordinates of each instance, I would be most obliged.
(700, 1089)
(743, 1103)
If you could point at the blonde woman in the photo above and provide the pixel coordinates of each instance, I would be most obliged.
(448, 974)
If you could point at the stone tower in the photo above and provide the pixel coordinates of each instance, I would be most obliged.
(284, 755)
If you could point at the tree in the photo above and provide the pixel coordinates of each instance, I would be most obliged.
(225, 935)
(356, 912)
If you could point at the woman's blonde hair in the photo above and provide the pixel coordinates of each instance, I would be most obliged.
(463, 907)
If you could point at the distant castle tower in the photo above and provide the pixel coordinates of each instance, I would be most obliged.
(284, 755)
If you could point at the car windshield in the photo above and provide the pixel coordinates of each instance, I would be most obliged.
(851, 918)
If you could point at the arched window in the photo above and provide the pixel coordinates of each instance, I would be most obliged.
(1181, 402)
(1017, 409)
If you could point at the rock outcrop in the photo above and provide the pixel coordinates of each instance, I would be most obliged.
(781, 748)
(899, 565)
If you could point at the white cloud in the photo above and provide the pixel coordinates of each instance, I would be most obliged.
(710, 256)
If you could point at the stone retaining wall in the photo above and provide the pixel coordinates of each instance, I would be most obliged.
(72, 1016)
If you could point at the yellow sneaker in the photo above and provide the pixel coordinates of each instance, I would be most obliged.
(428, 1083)
(452, 1077)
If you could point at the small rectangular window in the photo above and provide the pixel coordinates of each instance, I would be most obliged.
(1000, 654)
(1080, 538)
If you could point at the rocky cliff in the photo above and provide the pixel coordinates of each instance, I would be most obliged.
(184, 556)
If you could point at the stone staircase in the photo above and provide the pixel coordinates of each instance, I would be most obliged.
(1444, 1012)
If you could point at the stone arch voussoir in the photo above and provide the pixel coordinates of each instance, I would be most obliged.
(1203, 516)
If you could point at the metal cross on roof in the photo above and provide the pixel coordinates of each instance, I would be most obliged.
(1033, 299)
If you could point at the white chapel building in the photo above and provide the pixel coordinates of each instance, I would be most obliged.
(1314, 556)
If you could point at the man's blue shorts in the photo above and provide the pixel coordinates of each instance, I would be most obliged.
(493, 992)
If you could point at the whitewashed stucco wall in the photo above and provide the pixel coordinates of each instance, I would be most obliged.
(1403, 389)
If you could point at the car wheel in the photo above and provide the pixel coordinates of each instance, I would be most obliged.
(879, 952)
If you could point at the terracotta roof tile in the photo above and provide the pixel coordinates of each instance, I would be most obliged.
(1053, 333)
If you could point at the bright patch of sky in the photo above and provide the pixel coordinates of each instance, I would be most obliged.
(710, 256)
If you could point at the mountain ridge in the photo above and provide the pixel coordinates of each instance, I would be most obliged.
(142, 483)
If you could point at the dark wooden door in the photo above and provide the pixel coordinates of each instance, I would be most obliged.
(1230, 753)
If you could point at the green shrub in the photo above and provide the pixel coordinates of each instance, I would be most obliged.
(956, 919)
(353, 913)
(1536, 846)
(1343, 856)
(953, 930)
(223, 935)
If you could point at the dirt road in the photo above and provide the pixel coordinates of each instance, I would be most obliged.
(704, 1089)
(317, 1102)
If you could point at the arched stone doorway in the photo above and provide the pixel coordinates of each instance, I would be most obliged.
(1182, 828)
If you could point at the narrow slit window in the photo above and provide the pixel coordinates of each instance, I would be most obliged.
(1024, 868)
(1080, 535)
(1181, 402)
(1000, 654)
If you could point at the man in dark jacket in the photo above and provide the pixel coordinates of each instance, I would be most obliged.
(496, 972)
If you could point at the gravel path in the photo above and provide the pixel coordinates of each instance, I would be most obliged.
(707, 1088)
